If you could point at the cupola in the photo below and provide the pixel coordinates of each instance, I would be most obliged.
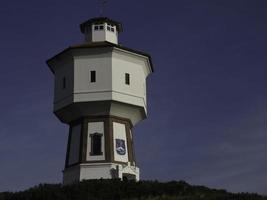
(101, 29)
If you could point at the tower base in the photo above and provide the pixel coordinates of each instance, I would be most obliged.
(101, 170)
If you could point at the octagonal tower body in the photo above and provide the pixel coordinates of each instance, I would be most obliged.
(100, 91)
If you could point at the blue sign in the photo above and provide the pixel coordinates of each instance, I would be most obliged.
(120, 146)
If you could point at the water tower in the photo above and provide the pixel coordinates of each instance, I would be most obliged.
(100, 92)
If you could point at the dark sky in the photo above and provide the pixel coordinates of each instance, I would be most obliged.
(207, 120)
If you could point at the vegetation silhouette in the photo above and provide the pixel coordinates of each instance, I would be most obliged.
(115, 189)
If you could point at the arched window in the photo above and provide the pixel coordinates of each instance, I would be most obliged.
(96, 144)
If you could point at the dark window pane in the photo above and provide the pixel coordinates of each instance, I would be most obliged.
(101, 27)
(96, 144)
(96, 27)
(64, 83)
(93, 76)
(127, 79)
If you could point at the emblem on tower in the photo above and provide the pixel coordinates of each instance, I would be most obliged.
(120, 147)
(100, 92)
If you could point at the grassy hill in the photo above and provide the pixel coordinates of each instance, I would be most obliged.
(125, 190)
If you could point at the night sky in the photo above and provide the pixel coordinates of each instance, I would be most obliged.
(207, 100)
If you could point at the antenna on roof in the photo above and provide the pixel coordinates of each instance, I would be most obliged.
(103, 4)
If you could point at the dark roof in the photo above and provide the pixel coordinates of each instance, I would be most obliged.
(100, 20)
(102, 45)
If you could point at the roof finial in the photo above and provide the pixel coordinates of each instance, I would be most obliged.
(103, 3)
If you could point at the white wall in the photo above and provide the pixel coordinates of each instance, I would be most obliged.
(95, 171)
(75, 144)
(110, 84)
(84, 90)
(125, 111)
(135, 92)
(95, 127)
(119, 132)
(110, 78)
(98, 170)
(98, 36)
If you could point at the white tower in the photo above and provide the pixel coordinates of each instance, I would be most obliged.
(100, 92)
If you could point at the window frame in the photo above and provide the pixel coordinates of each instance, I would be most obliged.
(94, 137)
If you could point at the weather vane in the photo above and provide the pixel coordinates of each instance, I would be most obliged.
(103, 4)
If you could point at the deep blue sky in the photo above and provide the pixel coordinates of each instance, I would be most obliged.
(207, 99)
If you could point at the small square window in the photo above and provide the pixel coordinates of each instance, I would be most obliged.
(96, 27)
(101, 27)
(93, 76)
(112, 29)
(127, 79)
(108, 27)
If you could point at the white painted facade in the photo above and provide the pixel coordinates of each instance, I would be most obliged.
(74, 144)
(85, 90)
(99, 170)
(119, 132)
(126, 111)
(110, 66)
(125, 62)
(110, 78)
(95, 127)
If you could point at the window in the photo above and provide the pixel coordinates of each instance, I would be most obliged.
(64, 83)
(96, 144)
(93, 76)
(110, 27)
(98, 27)
(127, 79)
